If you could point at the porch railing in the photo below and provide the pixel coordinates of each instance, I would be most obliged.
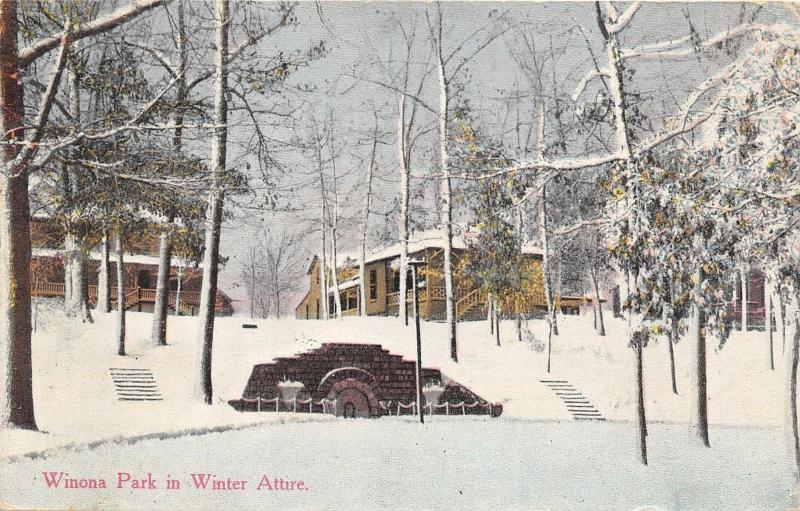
(189, 300)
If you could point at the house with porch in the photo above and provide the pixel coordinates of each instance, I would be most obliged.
(140, 269)
(382, 286)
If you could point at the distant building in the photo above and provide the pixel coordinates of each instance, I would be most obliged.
(140, 268)
(382, 287)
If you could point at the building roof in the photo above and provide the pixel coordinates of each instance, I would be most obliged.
(97, 256)
(419, 241)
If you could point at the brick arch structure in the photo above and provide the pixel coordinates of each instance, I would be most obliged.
(342, 373)
(354, 398)
(381, 381)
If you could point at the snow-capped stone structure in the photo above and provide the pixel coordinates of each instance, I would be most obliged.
(355, 380)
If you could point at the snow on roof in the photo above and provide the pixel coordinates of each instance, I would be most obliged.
(96, 256)
(422, 240)
(532, 248)
(346, 284)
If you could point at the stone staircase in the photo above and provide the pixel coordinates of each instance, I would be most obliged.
(577, 404)
(134, 384)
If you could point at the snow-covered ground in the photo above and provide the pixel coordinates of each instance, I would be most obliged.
(534, 456)
(458, 463)
(76, 401)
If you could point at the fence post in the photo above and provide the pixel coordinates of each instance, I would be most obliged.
(463, 408)
(277, 404)
(447, 408)
(258, 403)
(294, 405)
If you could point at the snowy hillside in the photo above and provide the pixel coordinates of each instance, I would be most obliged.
(76, 399)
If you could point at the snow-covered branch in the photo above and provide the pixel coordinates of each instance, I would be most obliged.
(132, 124)
(98, 26)
(684, 125)
(686, 45)
(588, 77)
(45, 105)
(625, 18)
(157, 54)
(242, 46)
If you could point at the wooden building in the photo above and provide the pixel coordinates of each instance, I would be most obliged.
(140, 268)
(382, 287)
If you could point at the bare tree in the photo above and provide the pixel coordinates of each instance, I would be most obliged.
(362, 311)
(252, 272)
(213, 224)
(283, 264)
(448, 66)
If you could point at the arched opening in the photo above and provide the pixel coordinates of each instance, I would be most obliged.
(354, 398)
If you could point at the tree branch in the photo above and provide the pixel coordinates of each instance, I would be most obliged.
(46, 104)
(672, 48)
(623, 20)
(98, 26)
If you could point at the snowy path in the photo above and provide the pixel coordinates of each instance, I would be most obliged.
(457, 464)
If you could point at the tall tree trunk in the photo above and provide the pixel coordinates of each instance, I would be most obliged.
(520, 239)
(75, 293)
(640, 411)
(671, 346)
(323, 275)
(161, 307)
(445, 196)
(213, 222)
(497, 328)
(552, 328)
(120, 290)
(781, 310)
(671, 316)
(403, 220)
(178, 291)
(159, 333)
(744, 322)
(103, 276)
(622, 143)
(490, 317)
(544, 238)
(75, 283)
(16, 395)
(791, 422)
(601, 326)
(698, 340)
(362, 272)
(337, 297)
(768, 292)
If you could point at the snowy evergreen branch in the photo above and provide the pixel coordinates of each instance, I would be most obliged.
(100, 25)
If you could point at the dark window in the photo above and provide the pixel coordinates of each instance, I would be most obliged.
(143, 279)
(373, 284)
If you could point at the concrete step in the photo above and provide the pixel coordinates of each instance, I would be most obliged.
(135, 384)
(576, 403)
